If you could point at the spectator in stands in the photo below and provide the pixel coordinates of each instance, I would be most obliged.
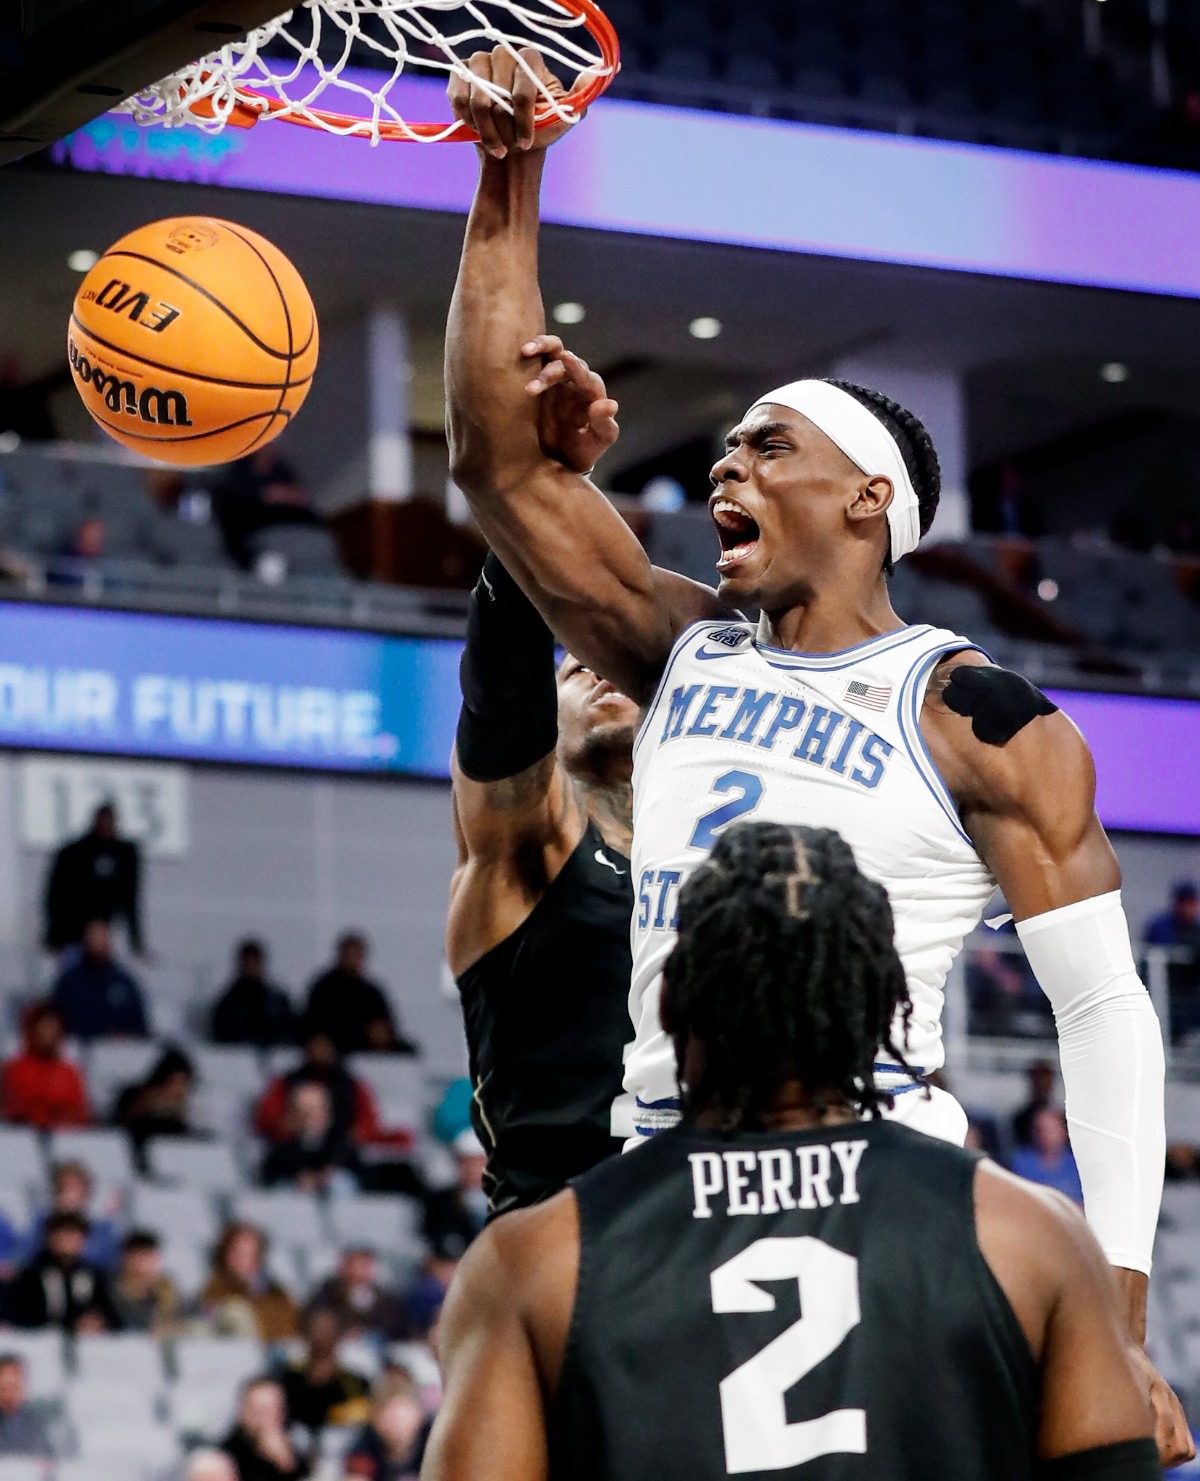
(94, 877)
(1179, 928)
(210, 1465)
(423, 1299)
(1048, 1159)
(10, 1247)
(253, 1010)
(318, 1390)
(39, 1087)
(1003, 996)
(72, 1192)
(255, 494)
(159, 1105)
(362, 1305)
(60, 1288)
(80, 554)
(314, 1156)
(1042, 1079)
(97, 997)
(354, 1112)
(455, 1215)
(1183, 1162)
(392, 1446)
(346, 1006)
(259, 1444)
(22, 1429)
(453, 1113)
(240, 1298)
(143, 1296)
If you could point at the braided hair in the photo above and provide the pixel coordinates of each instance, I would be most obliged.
(784, 968)
(916, 448)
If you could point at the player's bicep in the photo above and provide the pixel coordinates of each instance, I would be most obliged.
(1091, 1392)
(491, 1422)
(1031, 812)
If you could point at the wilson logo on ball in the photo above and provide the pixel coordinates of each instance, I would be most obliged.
(122, 298)
(150, 404)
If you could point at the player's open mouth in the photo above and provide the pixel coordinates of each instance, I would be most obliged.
(738, 531)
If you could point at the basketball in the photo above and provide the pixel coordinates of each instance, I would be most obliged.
(193, 341)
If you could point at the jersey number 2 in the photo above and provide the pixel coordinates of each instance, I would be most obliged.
(749, 789)
(758, 1436)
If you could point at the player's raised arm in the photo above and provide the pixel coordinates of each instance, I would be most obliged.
(1026, 787)
(552, 528)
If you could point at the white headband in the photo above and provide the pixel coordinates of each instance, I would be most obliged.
(865, 441)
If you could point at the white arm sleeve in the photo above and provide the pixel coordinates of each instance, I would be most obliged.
(1113, 1072)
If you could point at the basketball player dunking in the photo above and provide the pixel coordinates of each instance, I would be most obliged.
(777, 1287)
(538, 931)
(945, 774)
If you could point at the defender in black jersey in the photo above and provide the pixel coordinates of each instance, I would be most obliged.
(786, 1285)
(538, 931)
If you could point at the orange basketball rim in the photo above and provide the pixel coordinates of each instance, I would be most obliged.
(253, 105)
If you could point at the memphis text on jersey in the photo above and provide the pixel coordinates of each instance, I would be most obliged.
(762, 719)
(768, 1180)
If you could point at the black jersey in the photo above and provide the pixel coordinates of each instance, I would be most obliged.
(547, 1019)
(805, 1304)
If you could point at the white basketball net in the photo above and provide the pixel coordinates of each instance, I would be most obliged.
(312, 48)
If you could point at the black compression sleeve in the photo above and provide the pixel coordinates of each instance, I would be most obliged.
(1131, 1460)
(509, 717)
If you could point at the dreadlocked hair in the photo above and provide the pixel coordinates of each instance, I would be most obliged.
(784, 968)
(916, 448)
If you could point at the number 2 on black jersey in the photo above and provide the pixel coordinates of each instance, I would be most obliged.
(758, 1436)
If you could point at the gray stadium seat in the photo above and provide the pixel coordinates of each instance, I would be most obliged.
(94, 1406)
(383, 1221)
(114, 1064)
(1181, 1205)
(204, 1409)
(188, 1265)
(21, 1157)
(45, 1362)
(14, 1206)
(124, 1357)
(288, 1217)
(309, 550)
(198, 1164)
(180, 542)
(1183, 1111)
(685, 541)
(140, 1452)
(203, 1360)
(398, 1084)
(22, 1468)
(183, 1214)
(105, 1153)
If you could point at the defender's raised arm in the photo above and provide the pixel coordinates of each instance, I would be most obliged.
(553, 529)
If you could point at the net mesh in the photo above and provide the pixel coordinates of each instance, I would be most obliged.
(295, 68)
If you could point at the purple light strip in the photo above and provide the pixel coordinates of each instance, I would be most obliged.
(1145, 752)
(635, 167)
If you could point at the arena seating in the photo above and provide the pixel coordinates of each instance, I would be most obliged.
(127, 1405)
(1057, 608)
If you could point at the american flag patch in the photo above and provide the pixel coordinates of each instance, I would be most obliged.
(868, 696)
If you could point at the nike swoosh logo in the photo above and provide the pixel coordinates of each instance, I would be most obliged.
(720, 652)
(600, 859)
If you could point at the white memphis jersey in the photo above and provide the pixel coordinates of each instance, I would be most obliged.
(741, 730)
